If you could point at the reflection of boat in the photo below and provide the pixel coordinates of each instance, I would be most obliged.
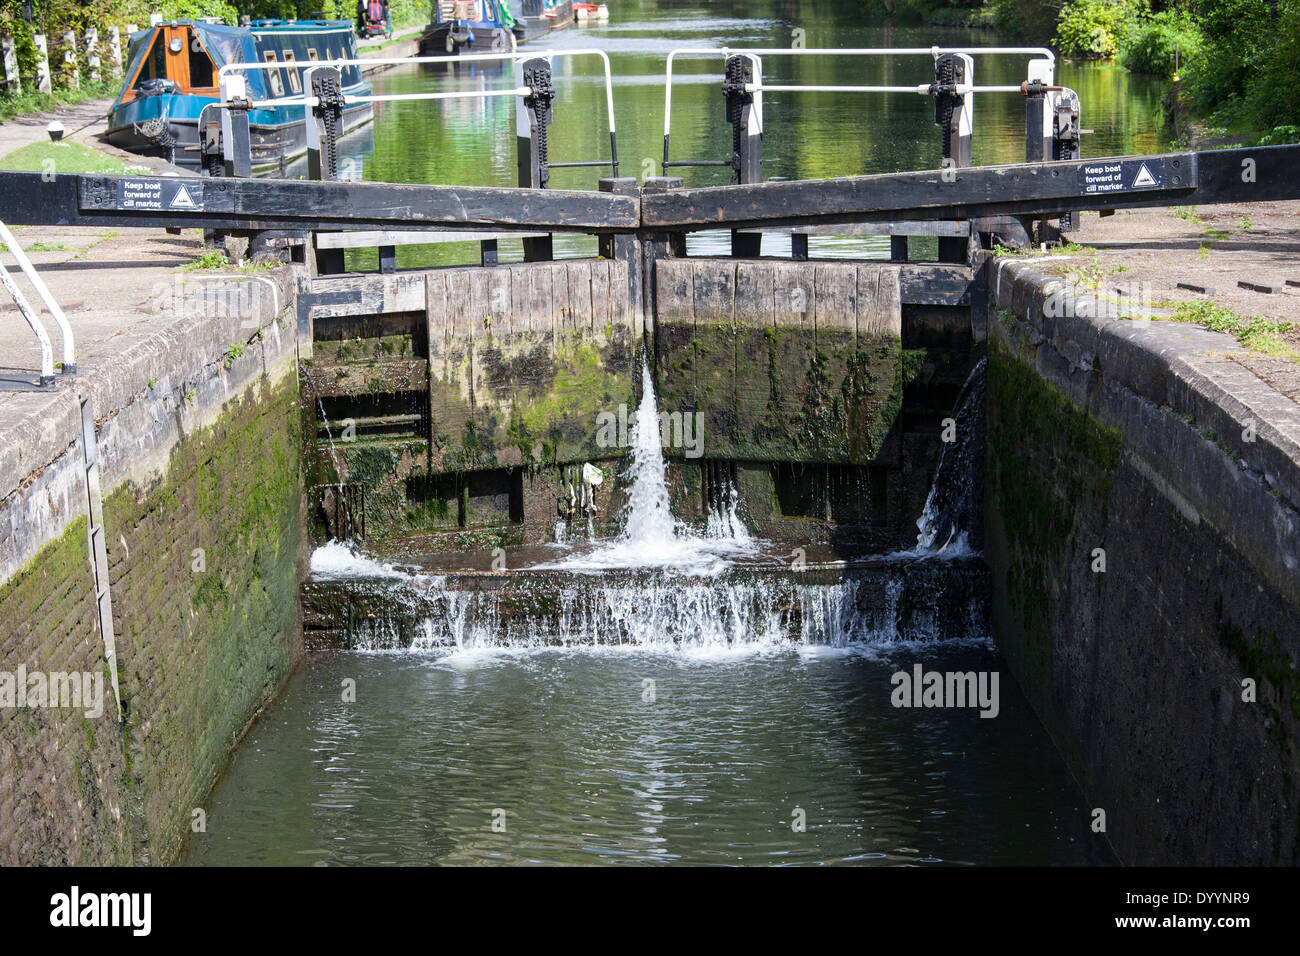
(172, 75)
(467, 26)
(539, 17)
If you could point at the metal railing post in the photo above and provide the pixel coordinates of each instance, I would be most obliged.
(532, 117)
(325, 125)
(744, 111)
(69, 364)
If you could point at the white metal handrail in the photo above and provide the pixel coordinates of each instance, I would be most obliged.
(307, 101)
(933, 51)
(33, 319)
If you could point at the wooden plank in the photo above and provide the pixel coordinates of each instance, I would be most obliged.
(450, 366)
(619, 307)
(520, 299)
(931, 284)
(889, 301)
(836, 292)
(541, 302)
(580, 307)
(714, 289)
(437, 312)
(715, 357)
(794, 343)
(757, 408)
(938, 227)
(404, 292)
(674, 290)
(366, 238)
(674, 335)
(402, 205)
(599, 279)
(792, 287)
(976, 191)
(754, 302)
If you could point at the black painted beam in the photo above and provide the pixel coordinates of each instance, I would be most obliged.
(260, 204)
(1028, 189)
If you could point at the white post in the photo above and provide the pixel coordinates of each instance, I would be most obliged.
(131, 28)
(12, 83)
(155, 19)
(966, 119)
(42, 64)
(92, 54)
(115, 50)
(70, 74)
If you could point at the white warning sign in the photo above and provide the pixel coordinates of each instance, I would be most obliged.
(159, 194)
(1121, 175)
(182, 199)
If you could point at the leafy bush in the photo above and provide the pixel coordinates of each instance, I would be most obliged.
(1094, 29)
(1245, 75)
(1280, 136)
(1030, 20)
(1162, 45)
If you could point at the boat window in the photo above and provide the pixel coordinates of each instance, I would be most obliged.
(202, 71)
(311, 53)
(273, 76)
(155, 64)
(295, 78)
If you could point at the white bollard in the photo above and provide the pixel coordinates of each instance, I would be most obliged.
(42, 64)
(155, 19)
(92, 54)
(115, 50)
(71, 75)
(12, 83)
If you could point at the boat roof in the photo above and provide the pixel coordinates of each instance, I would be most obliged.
(227, 44)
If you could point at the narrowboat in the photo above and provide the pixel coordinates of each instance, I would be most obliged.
(539, 17)
(487, 26)
(468, 26)
(172, 74)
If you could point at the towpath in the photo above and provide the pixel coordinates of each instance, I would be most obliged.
(1239, 257)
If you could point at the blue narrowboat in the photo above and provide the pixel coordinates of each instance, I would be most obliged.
(172, 74)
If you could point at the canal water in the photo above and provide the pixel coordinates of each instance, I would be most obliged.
(726, 743)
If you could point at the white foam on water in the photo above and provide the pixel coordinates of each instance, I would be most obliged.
(651, 536)
(341, 561)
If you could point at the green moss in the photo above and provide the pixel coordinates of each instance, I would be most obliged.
(1049, 461)
(198, 654)
(1263, 659)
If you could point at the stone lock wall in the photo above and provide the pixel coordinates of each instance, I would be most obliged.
(1124, 442)
(200, 444)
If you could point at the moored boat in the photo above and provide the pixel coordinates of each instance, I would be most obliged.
(172, 75)
(468, 26)
(591, 12)
(539, 17)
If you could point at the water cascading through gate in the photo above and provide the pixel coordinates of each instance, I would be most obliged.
(663, 585)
